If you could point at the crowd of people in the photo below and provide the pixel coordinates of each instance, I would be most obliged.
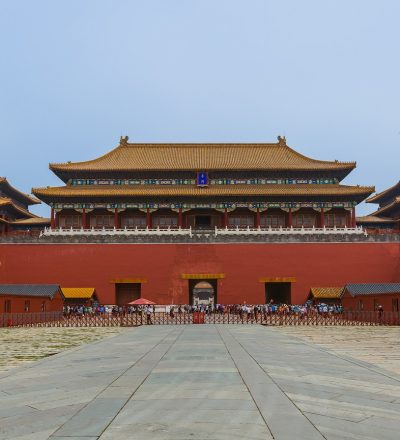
(250, 310)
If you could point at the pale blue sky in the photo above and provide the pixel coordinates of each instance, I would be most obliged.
(77, 74)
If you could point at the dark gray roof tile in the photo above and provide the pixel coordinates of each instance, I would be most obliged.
(40, 290)
(372, 288)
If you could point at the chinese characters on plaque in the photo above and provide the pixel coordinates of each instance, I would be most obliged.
(202, 179)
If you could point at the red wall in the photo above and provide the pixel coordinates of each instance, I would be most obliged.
(18, 303)
(369, 301)
(95, 265)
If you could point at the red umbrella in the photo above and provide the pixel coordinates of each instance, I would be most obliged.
(141, 302)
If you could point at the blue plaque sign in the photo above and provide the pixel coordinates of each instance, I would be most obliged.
(202, 179)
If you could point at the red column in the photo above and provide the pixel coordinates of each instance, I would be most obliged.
(116, 219)
(225, 218)
(52, 219)
(322, 218)
(349, 219)
(180, 218)
(84, 221)
(258, 218)
(57, 219)
(353, 217)
(148, 218)
(290, 218)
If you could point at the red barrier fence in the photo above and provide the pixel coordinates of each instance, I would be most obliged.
(57, 319)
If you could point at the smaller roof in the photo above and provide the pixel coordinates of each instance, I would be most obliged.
(6, 201)
(14, 192)
(34, 290)
(78, 292)
(141, 302)
(32, 221)
(390, 192)
(327, 292)
(389, 207)
(203, 285)
(372, 288)
(375, 219)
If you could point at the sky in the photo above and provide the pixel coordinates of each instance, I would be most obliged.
(78, 74)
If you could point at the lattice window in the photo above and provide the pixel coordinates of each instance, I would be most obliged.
(273, 220)
(165, 221)
(100, 221)
(68, 221)
(241, 220)
(133, 221)
(304, 220)
(335, 219)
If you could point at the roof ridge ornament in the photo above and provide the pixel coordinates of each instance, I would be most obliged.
(281, 141)
(123, 141)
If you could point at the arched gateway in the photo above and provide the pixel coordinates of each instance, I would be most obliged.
(203, 292)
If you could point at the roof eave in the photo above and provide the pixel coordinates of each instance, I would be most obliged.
(29, 200)
(379, 196)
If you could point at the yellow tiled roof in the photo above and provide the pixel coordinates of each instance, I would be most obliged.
(77, 292)
(5, 201)
(389, 207)
(29, 200)
(327, 292)
(395, 189)
(196, 156)
(375, 219)
(31, 221)
(214, 190)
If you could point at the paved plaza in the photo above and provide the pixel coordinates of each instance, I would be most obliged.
(200, 382)
(23, 345)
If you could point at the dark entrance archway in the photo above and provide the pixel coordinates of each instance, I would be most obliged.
(279, 293)
(127, 292)
(203, 292)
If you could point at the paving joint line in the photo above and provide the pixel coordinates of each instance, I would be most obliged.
(245, 383)
(62, 353)
(370, 367)
(107, 386)
(144, 380)
(277, 385)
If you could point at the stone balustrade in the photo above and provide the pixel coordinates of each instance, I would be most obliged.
(48, 232)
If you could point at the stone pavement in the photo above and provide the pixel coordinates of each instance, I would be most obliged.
(199, 382)
(22, 345)
(379, 345)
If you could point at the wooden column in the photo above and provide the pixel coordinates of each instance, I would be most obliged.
(258, 218)
(353, 217)
(116, 219)
(84, 219)
(180, 218)
(57, 219)
(52, 219)
(349, 219)
(225, 225)
(322, 218)
(148, 218)
(290, 218)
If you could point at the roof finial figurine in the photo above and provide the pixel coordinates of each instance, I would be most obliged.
(282, 141)
(123, 140)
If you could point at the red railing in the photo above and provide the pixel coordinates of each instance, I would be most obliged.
(57, 319)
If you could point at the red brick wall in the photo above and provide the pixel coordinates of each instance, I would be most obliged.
(95, 265)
